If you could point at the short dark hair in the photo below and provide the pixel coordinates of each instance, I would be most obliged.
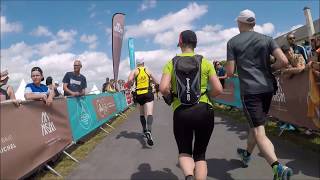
(49, 80)
(188, 38)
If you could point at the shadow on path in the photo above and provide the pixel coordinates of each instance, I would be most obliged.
(134, 135)
(240, 128)
(145, 172)
(218, 168)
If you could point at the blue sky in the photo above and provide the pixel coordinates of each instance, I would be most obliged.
(51, 33)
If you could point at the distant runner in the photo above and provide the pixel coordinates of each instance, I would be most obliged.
(250, 52)
(144, 97)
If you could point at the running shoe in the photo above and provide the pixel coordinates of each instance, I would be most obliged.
(149, 138)
(281, 172)
(243, 154)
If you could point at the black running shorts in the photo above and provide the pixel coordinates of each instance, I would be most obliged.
(144, 98)
(193, 121)
(256, 107)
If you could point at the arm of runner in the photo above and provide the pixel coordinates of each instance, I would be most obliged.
(230, 68)
(153, 78)
(131, 77)
(165, 84)
(216, 86)
(281, 59)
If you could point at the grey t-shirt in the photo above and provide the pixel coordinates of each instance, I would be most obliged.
(75, 83)
(251, 52)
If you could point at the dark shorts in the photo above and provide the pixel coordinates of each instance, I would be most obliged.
(144, 98)
(256, 107)
(193, 123)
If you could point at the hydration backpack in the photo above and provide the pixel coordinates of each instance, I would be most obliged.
(187, 70)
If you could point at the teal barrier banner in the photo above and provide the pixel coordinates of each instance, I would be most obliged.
(231, 93)
(120, 101)
(87, 113)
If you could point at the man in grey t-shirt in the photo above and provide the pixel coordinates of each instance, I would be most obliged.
(74, 83)
(250, 52)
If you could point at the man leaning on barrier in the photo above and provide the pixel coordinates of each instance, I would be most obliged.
(74, 83)
(36, 90)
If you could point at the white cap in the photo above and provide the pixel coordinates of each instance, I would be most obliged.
(246, 16)
(139, 61)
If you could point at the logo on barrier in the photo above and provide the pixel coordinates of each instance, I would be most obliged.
(7, 144)
(104, 106)
(84, 116)
(280, 96)
(47, 126)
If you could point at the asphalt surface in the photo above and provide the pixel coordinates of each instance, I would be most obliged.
(124, 153)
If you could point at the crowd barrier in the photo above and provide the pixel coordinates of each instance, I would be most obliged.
(296, 101)
(89, 112)
(231, 93)
(31, 135)
(34, 133)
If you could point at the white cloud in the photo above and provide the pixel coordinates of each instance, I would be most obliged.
(92, 7)
(267, 28)
(181, 18)
(147, 4)
(92, 15)
(89, 39)
(91, 10)
(41, 31)
(63, 35)
(7, 27)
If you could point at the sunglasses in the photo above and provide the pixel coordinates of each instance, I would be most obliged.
(292, 38)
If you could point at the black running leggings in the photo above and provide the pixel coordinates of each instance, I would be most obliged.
(197, 121)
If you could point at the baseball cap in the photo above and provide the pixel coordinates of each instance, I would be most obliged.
(246, 16)
(187, 37)
(139, 61)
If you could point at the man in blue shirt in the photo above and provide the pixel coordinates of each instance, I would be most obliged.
(74, 83)
(297, 48)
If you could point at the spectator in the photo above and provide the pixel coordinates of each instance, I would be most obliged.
(74, 83)
(52, 86)
(111, 86)
(36, 90)
(308, 48)
(105, 85)
(222, 75)
(296, 61)
(59, 88)
(297, 48)
(6, 91)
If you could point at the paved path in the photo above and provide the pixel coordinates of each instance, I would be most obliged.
(124, 154)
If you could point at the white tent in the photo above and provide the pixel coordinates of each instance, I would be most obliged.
(94, 90)
(20, 92)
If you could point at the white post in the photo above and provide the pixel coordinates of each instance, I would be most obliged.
(309, 22)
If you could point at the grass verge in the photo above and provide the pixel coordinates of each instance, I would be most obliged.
(64, 165)
(298, 137)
